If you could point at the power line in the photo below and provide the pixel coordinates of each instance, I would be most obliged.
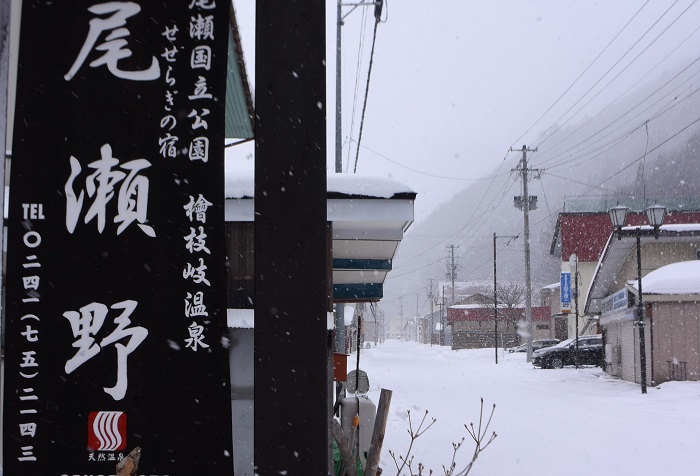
(364, 106)
(578, 160)
(623, 69)
(582, 73)
(471, 218)
(360, 53)
(571, 133)
(658, 146)
(463, 179)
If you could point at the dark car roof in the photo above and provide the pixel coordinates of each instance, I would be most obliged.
(563, 346)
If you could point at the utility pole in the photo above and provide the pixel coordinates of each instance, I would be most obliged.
(452, 269)
(495, 302)
(431, 299)
(338, 95)
(495, 294)
(339, 307)
(527, 203)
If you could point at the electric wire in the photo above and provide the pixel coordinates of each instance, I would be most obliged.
(550, 214)
(460, 238)
(456, 233)
(580, 159)
(592, 153)
(360, 54)
(486, 194)
(624, 93)
(582, 73)
(623, 169)
(644, 163)
(619, 73)
(364, 106)
(540, 140)
(544, 194)
(462, 179)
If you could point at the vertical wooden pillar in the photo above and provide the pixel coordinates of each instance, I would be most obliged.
(291, 269)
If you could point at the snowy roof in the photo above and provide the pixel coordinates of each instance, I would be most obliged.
(676, 278)
(477, 306)
(617, 252)
(674, 228)
(679, 228)
(467, 306)
(241, 184)
(370, 215)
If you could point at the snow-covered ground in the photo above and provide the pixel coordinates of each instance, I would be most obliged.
(569, 421)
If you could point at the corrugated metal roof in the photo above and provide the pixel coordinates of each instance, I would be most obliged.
(239, 102)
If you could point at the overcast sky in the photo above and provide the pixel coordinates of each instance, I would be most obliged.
(456, 83)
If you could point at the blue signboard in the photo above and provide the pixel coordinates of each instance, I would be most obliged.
(565, 292)
(616, 301)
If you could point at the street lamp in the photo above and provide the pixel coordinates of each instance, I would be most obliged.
(618, 215)
(655, 215)
(573, 265)
(495, 295)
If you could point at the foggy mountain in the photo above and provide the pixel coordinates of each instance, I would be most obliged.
(644, 146)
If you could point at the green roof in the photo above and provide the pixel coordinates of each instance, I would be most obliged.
(239, 102)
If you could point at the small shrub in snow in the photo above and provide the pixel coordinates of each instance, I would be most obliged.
(478, 434)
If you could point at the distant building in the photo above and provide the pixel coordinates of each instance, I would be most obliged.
(473, 325)
(583, 229)
(670, 267)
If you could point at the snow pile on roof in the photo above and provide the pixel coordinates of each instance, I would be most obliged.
(676, 278)
(467, 306)
(676, 227)
(241, 184)
(366, 185)
(681, 227)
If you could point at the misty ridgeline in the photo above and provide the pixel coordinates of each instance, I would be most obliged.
(642, 148)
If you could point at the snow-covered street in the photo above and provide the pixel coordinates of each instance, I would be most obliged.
(568, 421)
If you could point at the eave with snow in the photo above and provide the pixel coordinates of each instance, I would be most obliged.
(369, 216)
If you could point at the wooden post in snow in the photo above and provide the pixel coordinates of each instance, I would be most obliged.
(375, 447)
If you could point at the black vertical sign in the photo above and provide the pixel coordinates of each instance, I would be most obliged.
(116, 280)
(291, 232)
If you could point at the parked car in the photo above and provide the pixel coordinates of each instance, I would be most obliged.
(536, 345)
(590, 352)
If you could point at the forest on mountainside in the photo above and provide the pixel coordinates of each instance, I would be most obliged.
(643, 148)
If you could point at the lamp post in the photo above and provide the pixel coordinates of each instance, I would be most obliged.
(440, 304)
(495, 295)
(655, 216)
(573, 265)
